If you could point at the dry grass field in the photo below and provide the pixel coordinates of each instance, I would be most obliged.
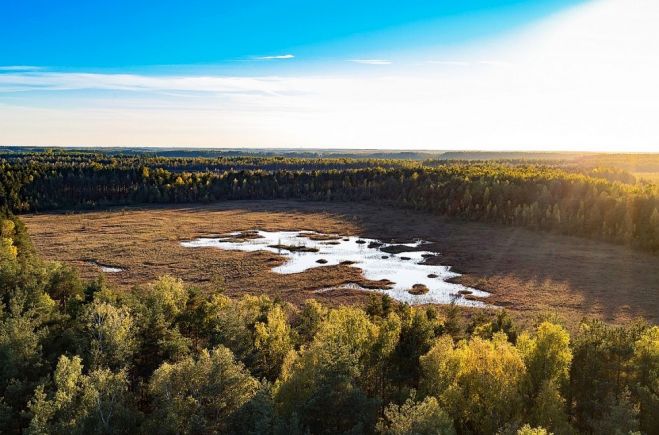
(531, 274)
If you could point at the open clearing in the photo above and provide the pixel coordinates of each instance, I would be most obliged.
(529, 273)
(399, 270)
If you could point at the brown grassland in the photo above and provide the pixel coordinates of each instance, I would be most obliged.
(531, 274)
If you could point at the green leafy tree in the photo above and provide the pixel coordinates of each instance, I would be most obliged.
(547, 356)
(645, 381)
(322, 386)
(167, 295)
(233, 325)
(23, 331)
(272, 342)
(415, 418)
(156, 309)
(64, 283)
(502, 323)
(417, 334)
(310, 319)
(111, 335)
(8, 251)
(80, 404)
(600, 372)
(200, 395)
(479, 382)
(621, 417)
(380, 364)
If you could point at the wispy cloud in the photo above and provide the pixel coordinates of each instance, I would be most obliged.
(21, 81)
(276, 57)
(23, 68)
(371, 61)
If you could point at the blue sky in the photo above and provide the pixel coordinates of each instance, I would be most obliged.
(418, 74)
(122, 33)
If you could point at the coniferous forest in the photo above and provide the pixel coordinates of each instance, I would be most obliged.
(578, 197)
(84, 357)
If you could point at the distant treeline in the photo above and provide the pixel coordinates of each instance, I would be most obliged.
(595, 202)
(641, 162)
(215, 153)
(164, 358)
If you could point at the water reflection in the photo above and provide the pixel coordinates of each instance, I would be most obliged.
(401, 265)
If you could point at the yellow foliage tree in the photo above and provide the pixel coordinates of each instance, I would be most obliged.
(478, 382)
(272, 342)
(322, 385)
(547, 356)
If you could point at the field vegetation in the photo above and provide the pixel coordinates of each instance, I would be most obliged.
(529, 273)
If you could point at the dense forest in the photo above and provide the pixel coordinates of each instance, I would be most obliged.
(81, 357)
(567, 197)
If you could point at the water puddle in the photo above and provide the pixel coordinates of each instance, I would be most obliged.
(399, 266)
(105, 268)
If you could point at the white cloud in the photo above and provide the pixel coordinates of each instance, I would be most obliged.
(371, 61)
(58, 81)
(567, 83)
(20, 68)
(277, 57)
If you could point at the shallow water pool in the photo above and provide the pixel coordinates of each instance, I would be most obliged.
(105, 268)
(404, 269)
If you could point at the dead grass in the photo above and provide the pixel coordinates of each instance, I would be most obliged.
(532, 274)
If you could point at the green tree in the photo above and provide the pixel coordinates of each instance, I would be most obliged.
(64, 283)
(259, 416)
(272, 342)
(156, 309)
(547, 356)
(80, 404)
(111, 335)
(479, 382)
(378, 368)
(233, 325)
(621, 417)
(322, 385)
(168, 295)
(600, 370)
(23, 331)
(199, 395)
(310, 319)
(416, 418)
(645, 381)
(417, 334)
